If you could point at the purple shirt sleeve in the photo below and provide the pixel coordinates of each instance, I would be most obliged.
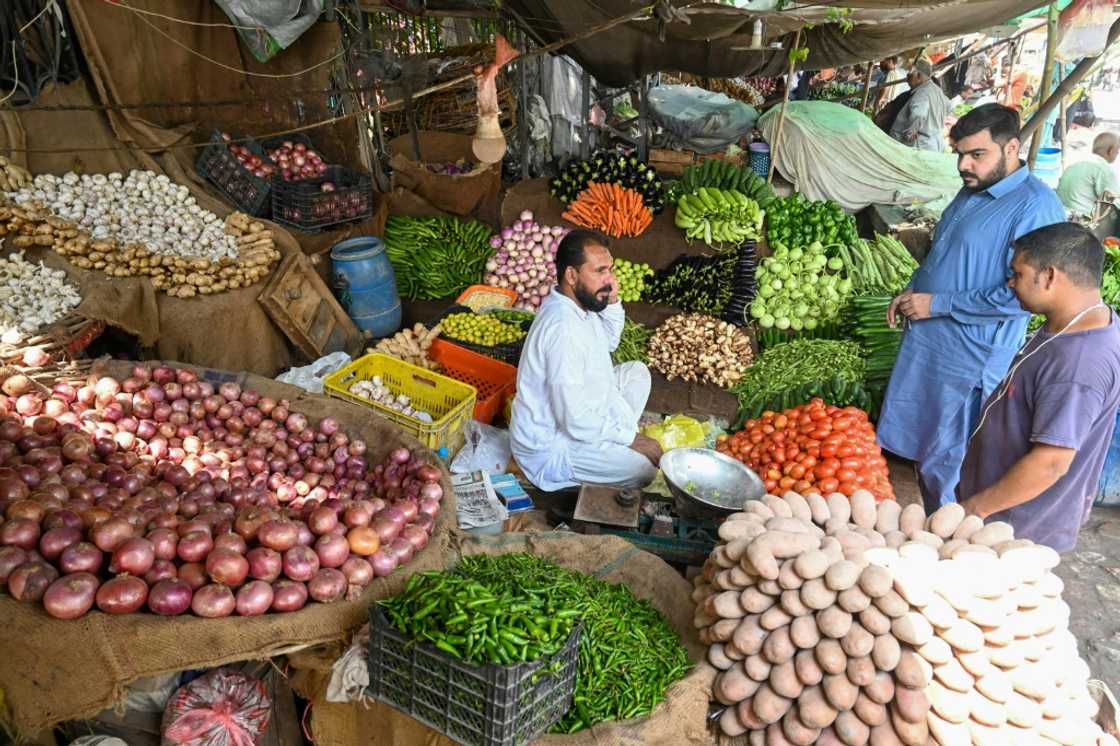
(1064, 414)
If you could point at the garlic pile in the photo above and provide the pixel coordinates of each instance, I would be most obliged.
(144, 207)
(32, 296)
(375, 390)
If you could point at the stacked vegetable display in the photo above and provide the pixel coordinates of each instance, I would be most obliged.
(694, 283)
(631, 277)
(879, 341)
(436, 257)
(610, 209)
(836, 620)
(718, 174)
(484, 329)
(524, 260)
(793, 373)
(701, 349)
(517, 607)
(163, 492)
(795, 221)
(633, 345)
(815, 446)
(610, 167)
(797, 290)
(882, 267)
(719, 216)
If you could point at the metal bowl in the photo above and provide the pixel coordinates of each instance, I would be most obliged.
(706, 483)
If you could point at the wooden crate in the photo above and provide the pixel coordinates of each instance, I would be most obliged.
(301, 304)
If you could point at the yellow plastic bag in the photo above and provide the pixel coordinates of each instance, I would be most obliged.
(678, 431)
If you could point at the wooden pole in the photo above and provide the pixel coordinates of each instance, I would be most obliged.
(1011, 58)
(782, 113)
(1064, 131)
(867, 86)
(1047, 75)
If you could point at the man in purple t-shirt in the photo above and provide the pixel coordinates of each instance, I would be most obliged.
(1036, 456)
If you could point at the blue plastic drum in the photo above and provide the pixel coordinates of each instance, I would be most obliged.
(366, 286)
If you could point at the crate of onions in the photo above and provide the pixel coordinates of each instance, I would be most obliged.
(339, 195)
(295, 157)
(240, 170)
(165, 494)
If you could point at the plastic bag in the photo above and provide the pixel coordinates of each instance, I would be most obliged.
(678, 431)
(1083, 29)
(310, 377)
(222, 708)
(700, 120)
(151, 694)
(98, 741)
(486, 448)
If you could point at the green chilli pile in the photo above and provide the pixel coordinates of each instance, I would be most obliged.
(517, 607)
(633, 345)
(436, 257)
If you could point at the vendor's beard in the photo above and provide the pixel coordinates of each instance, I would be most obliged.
(593, 302)
(997, 175)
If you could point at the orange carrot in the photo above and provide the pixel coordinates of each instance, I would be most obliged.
(610, 208)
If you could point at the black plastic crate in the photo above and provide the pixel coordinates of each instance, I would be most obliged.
(487, 705)
(304, 205)
(507, 353)
(248, 192)
(296, 137)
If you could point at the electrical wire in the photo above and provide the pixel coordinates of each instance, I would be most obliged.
(49, 4)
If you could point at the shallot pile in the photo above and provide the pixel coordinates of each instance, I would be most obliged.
(524, 260)
(296, 161)
(162, 492)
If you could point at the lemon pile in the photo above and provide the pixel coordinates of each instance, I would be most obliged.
(480, 329)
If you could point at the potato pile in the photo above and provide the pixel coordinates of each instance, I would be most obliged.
(30, 224)
(839, 621)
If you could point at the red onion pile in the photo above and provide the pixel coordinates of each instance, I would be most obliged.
(162, 493)
(296, 161)
(259, 167)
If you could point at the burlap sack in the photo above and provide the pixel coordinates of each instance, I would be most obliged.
(678, 721)
(460, 194)
(53, 670)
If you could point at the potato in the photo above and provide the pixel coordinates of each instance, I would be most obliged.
(816, 595)
(727, 605)
(1022, 711)
(993, 533)
(747, 716)
(784, 681)
(1032, 681)
(952, 675)
(718, 658)
(986, 735)
(793, 526)
(740, 530)
(723, 629)
(912, 519)
(1051, 585)
(947, 704)
(737, 547)
(869, 711)
(887, 515)
(853, 600)
(996, 686)
(909, 671)
(755, 601)
(1006, 658)
(839, 507)
(805, 665)
(839, 692)
(733, 652)
(792, 605)
(804, 633)
(926, 537)
(796, 732)
(842, 575)
(978, 664)
(875, 621)
(779, 507)
(730, 724)
(788, 579)
(964, 636)
(912, 704)
(759, 508)
(860, 671)
(891, 604)
(851, 730)
(912, 628)
(968, 526)
(813, 708)
(985, 711)
(852, 541)
(733, 685)
(831, 656)
(773, 618)
(949, 547)
(757, 667)
(719, 556)
(764, 552)
(799, 506)
(884, 735)
(949, 733)
(832, 549)
(884, 556)
(894, 539)
(739, 577)
(1026, 596)
(875, 581)
(769, 587)
(812, 564)
(775, 736)
(834, 622)
(749, 635)
(971, 550)
(945, 520)
(818, 506)
(885, 653)
(768, 706)
(911, 734)
(939, 613)
(857, 642)
(778, 647)
(863, 509)
(936, 651)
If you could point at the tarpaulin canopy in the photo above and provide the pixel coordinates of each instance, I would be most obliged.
(715, 42)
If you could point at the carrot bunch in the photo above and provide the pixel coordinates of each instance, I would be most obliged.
(610, 208)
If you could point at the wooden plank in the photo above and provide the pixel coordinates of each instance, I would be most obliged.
(301, 304)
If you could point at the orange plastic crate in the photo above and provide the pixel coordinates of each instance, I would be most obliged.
(494, 379)
(464, 298)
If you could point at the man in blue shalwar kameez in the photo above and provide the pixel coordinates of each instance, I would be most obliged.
(964, 324)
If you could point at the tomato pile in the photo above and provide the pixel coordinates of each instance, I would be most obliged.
(815, 447)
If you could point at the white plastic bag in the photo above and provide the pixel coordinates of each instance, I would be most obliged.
(1083, 29)
(310, 377)
(486, 449)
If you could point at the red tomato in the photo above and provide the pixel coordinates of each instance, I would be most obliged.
(828, 485)
(847, 488)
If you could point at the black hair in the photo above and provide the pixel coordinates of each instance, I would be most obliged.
(572, 251)
(1002, 121)
(1067, 247)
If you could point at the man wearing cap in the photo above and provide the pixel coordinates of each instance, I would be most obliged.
(922, 120)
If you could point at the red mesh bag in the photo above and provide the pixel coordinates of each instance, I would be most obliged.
(222, 708)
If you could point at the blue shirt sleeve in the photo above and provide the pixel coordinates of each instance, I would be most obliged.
(992, 305)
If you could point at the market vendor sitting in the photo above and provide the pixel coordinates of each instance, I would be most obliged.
(575, 417)
(1035, 458)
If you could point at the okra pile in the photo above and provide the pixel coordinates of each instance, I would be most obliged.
(517, 607)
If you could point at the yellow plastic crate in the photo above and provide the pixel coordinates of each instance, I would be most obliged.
(450, 402)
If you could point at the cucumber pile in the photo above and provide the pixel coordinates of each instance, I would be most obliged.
(719, 216)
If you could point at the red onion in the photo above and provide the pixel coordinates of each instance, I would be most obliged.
(212, 601)
(10, 558)
(20, 532)
(288, 595)
(195, 546)
(383, 562)
(71, 596)
(81, 557)
(300, 563)
(428, 473)
(402, 548)
(193, 574)
(53, 542)
(229, 391)
(280, 535)
(328, 425)
(296, 422)
(123, 594)
(400, 456)
(264, 563)
(408, 508)
(332, 551)
(170, 597)
(357, 571)
(165, 542)
(322, 520)
(232, 542)
(416, 535)
(133, 556)
(386, 529)
(161, 570)
(163, 374)
(429, 507)
(327, 585)
(254, 598)
(227, 567)
(425, 522)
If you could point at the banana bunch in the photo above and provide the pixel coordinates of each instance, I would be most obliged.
(12, 177)
(719, 216)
